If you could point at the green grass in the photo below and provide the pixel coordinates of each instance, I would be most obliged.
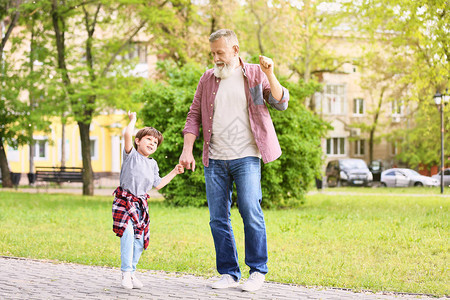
(374, 242)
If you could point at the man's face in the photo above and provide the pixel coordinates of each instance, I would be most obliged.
(223, 53)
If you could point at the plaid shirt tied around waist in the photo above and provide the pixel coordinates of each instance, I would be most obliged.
(125, 206)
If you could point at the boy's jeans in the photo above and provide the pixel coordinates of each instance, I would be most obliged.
(130, 248)
(219, 177)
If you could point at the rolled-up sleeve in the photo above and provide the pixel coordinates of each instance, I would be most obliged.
(278, 105)
(194, 116)
(283, 103)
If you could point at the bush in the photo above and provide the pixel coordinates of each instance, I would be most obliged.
(284, 181)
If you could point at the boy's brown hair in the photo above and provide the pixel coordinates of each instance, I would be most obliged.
(151, 132)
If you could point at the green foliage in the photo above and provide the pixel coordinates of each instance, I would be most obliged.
(26, 94)
(416, 64)
(284, 181)
(420, 145)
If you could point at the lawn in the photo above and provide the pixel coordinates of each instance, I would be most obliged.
(370, 242)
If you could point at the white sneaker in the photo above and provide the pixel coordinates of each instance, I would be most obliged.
(126, 280)
(225, 282)
(137, 284)
(254, 282)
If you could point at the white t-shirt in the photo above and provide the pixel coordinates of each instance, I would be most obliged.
(232, 137)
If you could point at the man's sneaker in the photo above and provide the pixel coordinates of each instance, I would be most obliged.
(225, 282)
(254, 282)
(137, 284)
(126, 280)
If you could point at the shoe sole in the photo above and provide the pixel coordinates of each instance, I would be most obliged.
(225, 287)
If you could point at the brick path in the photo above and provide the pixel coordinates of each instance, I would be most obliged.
(37, 279)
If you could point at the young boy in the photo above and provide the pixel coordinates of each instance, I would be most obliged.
(138, 175)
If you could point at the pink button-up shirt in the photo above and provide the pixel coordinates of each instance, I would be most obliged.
(257, 91)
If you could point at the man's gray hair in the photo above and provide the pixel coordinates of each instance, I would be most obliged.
(228, 34)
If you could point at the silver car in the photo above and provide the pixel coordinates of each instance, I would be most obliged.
(446, 177)
(398, 177)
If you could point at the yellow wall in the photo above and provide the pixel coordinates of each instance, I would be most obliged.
(106, 130)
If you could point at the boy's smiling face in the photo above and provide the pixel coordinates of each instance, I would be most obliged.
(147, 145)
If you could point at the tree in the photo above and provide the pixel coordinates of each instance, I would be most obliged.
(97, 77)
(19, 76)
(9, 13)
(297, 35)
(380, 73)
(418, 33)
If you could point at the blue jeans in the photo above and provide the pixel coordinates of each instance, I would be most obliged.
(130, 248)
(246, 174)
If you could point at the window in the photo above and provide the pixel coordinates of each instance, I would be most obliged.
(336, 146)
(397, 108)
(360, 147)
(138, 50)
(40, 148)
(394, 149)
(334, 99)
(13, 154)
(358, 106)
(94, 149)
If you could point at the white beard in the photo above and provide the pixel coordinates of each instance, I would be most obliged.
(225, 70)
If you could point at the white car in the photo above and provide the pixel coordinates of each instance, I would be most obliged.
(398, 177)
(446, 177)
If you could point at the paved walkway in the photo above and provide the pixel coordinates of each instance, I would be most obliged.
(38, 279)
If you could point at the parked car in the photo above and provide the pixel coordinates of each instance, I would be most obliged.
(348, 171)
(446, 177)
(398, 177)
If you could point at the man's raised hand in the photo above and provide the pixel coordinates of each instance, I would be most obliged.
(266, 64)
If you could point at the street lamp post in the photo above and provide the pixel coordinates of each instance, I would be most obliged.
(440, 101)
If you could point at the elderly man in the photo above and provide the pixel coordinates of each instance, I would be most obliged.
(230, 105)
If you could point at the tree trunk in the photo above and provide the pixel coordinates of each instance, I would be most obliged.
(372, 133)
(6, 175)
(88, 175)
(32, 97)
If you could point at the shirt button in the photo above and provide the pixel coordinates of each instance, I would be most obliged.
(210, 118)
(211, 104)
(214, 93)
(217, 80)
(207, 143)
(209, 130)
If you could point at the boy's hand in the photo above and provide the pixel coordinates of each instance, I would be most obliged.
(179, 169)
(132, 115)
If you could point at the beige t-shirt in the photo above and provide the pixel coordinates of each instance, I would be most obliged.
(232, 137)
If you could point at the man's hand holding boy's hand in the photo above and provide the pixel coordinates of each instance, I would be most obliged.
(179, 169)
